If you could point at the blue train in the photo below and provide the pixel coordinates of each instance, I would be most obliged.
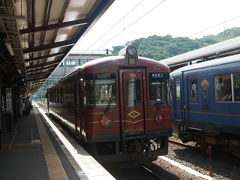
(206, 103)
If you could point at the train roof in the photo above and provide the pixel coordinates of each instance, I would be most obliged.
(99, 61)
(76, 69)
(207, 64)
(118, 60)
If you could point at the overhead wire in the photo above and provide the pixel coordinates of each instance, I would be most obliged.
(157, 5)
(114, 25)
(224, 22)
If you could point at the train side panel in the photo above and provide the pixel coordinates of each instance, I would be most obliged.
(207, 108)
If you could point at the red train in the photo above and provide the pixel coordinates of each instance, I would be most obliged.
(118, 105)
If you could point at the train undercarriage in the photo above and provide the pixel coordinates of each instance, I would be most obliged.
(226, 142)
(134, 152)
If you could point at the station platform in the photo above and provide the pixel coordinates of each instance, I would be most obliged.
(36, 149)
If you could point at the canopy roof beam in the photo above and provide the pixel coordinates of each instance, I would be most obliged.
(47, 56)
(54, 26)
(42, 64)
(49, 46)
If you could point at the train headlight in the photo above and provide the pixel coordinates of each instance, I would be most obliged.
(105, 122)
(128, 51)
(159, 118)
(131, 50)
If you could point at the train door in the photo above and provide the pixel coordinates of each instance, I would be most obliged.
(177, 104)
(178, 109)
(204, 96)
(132, 90)
(193, 103)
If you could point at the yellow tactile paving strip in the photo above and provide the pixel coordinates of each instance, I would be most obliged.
(54, 165)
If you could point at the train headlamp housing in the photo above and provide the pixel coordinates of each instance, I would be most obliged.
(159, 118)
(128, 51)
(131, 50)
(105, 122)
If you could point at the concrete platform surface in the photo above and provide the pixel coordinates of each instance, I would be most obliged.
(36, 149)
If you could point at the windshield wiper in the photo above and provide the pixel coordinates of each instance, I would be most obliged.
(109, 105)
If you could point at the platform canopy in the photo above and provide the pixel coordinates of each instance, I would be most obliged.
(37, 34)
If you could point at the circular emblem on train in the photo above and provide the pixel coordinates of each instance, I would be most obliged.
(134, 114)
(204, 83)
(194, 87)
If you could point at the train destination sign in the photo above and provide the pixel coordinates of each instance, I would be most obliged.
(159, 75)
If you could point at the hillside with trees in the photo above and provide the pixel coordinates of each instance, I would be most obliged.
(161, 47)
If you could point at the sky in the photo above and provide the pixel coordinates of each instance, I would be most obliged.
(127, 20)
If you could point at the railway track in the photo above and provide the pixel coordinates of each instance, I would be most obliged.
(150, 171)
(205, 148)
(182, 144)
(159, 172)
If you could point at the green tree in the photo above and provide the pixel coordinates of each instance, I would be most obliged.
(161, 47)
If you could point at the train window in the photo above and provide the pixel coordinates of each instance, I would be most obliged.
(100, 90)
(223, 87)
(159, 88)
(236, 85)
(178, 90)
(133, 92)
(57, 91)
(54, 96)
(50, 98)
(61, 95)
(204, 85)
(68, 95)
(89, 92)
(105, 92)
(194, 89)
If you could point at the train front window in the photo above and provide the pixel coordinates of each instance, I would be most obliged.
(105, 92)
(133, 92)
(159, 88)
(100, 90)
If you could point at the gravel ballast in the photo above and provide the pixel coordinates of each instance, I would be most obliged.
(225, 166)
